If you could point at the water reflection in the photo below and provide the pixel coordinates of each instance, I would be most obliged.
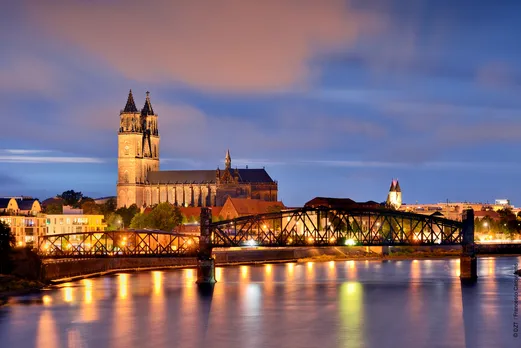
(320, 304)
(68, 295)
(219, 274)
(244, 272)
(157, 277)
(46, 300)
(88, 310)
(47, 333)
(123, 285)
(350, 304)
(123, 314)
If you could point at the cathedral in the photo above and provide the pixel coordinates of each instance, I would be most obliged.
(141, 182)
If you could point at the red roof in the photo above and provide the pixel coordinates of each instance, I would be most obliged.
(196, 211)
(340, 203)
(247, 206)
(494, 215)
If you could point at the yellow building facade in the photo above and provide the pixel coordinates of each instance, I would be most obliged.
(26, 229)
(73, 223)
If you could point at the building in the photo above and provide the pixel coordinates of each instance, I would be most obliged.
(141, 182)
(394, 197)
(237, 207)
(25, 219)
(454, 210)
(73, 223)
(341, 204)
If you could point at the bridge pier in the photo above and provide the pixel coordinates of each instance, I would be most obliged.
(468, 260)
(206, 271)
(205, 261)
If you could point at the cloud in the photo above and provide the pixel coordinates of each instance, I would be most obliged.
(498, 75)
(22, 156)
(26, 73)
(188, 131)
(220, 45)
(24, 151)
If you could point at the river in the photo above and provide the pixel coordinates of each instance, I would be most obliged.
(343, 304)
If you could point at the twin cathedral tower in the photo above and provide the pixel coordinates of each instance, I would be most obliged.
(141, 182)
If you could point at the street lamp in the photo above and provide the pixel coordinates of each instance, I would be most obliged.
(486, 224)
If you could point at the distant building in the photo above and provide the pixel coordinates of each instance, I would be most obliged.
(394, 197)
(454, 210)
(103, 200)
(503, 202)
(24, 218)
(141, 182)
(341, 203)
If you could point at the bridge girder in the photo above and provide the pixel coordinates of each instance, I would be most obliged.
(117, 244)
(322, 226)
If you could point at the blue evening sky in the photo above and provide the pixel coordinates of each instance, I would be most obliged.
(334, 98)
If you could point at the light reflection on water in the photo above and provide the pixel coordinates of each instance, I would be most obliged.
(314, 304)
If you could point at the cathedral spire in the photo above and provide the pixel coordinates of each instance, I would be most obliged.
(228, 160)
(130, 106)
(147, 109)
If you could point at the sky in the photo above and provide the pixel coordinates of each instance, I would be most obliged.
(333, 98)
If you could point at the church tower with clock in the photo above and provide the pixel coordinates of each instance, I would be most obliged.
(138, 150)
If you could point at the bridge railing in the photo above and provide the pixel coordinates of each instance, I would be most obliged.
(321, 227)
(117, 243)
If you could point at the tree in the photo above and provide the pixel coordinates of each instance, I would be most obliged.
(128, 213)
(108, 207)
(165, 217)
(54, 208)
(7, 242)
(71, 198)
(7, 239)
(140, 220)
(91, 208)
(114, 222)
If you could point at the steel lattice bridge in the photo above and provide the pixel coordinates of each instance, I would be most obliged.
(288, 228)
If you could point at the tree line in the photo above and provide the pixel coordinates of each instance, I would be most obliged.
(162, 216)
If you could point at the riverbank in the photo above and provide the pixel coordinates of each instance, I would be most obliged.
(12, 286)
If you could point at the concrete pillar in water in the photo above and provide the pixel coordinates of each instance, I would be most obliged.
(205, 262)
(468, 260)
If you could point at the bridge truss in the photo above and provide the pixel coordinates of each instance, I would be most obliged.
(117, 243)
(322, 227)
(288, 228)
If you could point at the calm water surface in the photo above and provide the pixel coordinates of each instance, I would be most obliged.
(331, 304)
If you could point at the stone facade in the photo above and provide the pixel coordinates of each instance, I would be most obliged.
(141, 182)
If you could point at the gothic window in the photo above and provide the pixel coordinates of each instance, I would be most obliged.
(125, 177)
(155, 150)
(127, 149)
